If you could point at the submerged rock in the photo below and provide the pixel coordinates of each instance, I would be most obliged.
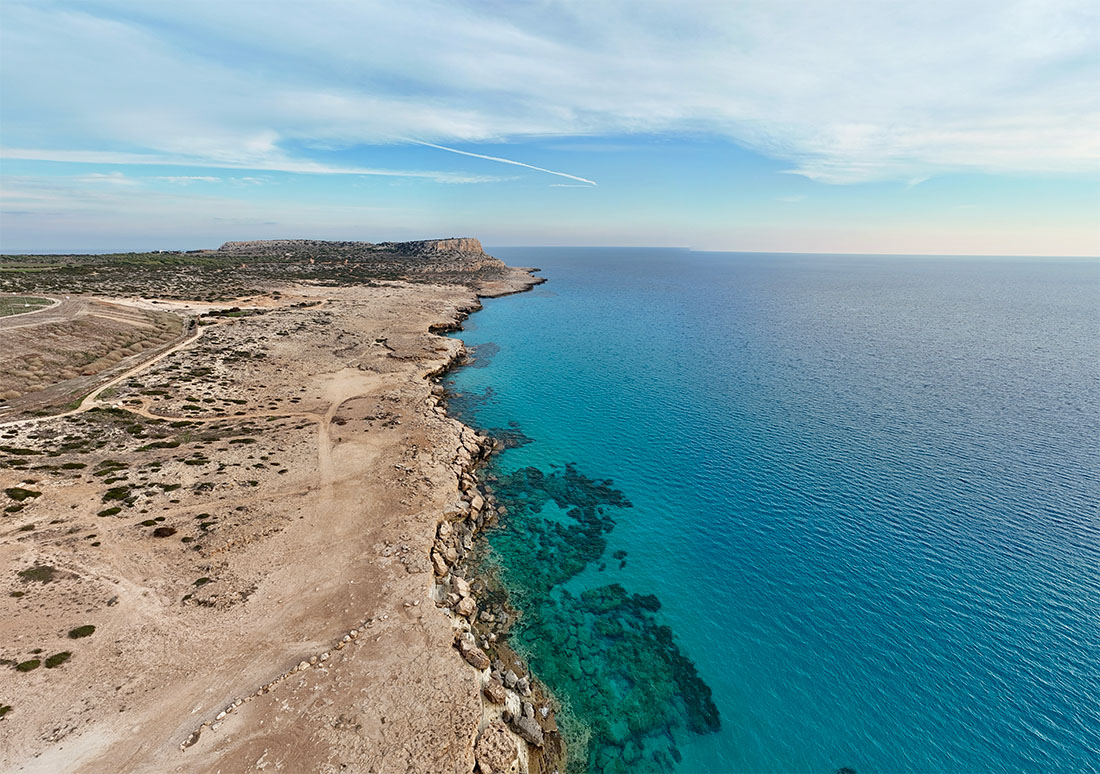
(604, 651)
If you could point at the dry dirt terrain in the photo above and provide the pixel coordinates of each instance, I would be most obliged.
(241, 549)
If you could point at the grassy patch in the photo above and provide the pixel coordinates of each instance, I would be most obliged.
(81, 631)
(20, 494)
(110, 511)
(27, 666)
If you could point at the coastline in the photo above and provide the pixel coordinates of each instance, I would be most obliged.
(313, 604)
(515, 700)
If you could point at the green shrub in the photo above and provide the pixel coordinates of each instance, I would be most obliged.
(19, 494)
(27, 666)
(116, 493)
(81, 631)
(42, 573)
(57, 659)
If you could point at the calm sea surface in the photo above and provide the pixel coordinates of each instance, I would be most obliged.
(800, 513)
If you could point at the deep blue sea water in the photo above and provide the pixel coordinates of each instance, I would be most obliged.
(859, 500)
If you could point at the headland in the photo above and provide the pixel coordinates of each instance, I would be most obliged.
(236, 511)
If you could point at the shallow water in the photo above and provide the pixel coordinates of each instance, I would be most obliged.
(798, 513)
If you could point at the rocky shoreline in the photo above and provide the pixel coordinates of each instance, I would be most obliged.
(517, 706)
(246, 523)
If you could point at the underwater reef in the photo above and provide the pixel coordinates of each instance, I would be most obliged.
(628, 693)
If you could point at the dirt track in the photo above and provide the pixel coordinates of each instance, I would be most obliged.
(336, 539)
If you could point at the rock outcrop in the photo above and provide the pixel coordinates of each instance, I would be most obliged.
(495, 750)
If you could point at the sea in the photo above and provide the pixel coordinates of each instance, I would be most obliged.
(799, 513)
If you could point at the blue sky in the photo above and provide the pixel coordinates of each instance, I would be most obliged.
(853, 126)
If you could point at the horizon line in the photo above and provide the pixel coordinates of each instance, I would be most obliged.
(684, 248)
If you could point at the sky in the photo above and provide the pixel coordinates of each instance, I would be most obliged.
(861, 126)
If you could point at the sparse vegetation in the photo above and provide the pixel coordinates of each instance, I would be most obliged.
(39, 573)
(81, 631)
(116, 493)
(57, 659)
(19, 494)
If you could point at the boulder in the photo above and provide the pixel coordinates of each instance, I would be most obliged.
(494, 692)
(439, 564)
(466, 607)
(510, 679)
(529, 730)
(474, 655)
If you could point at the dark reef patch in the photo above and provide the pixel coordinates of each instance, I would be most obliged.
(628, 692)
(509, 437)
(464, 405)
(481, 355)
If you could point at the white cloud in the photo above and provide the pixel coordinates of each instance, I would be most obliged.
(187, 179)
(845, 91)
(107, 178)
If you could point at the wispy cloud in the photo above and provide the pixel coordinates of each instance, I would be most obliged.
(107, 178)
(188, 179)
(505, 161)
(275, 162)
(862, 90)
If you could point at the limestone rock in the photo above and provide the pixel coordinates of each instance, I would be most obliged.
(474, 655)
(494, 692)
(440, 564)
(529, 730)
(495, 750)
(466, 607)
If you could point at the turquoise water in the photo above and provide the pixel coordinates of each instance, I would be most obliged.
(859, 500)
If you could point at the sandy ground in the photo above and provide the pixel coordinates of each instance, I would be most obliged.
(303, 498)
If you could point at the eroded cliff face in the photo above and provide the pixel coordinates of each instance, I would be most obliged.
(452, 245)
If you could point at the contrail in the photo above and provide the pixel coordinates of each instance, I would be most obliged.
(504, 161)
